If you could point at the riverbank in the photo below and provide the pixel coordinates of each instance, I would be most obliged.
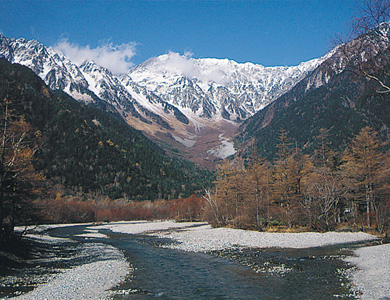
(371, 275)
(201, 237)
(62, 268)
(102, 266)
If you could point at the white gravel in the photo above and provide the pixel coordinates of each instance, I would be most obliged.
(138, 227)
(200, 237)
(92, 280)
(92, 234)
(206, 238)
(89, 281)
(372, 276)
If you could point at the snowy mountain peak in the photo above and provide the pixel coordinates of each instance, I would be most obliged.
(230, 90)
(171, 97)
(206, 87)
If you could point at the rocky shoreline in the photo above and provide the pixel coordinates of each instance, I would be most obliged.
(370, 276)
(93, 268)
(60, 268)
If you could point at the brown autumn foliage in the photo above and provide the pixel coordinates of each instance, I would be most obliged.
(19, 182)
(322, 191)
(67, 209)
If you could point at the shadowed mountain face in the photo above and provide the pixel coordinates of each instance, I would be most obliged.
(88, 150)
(195, 107)
(334, 96)
(189, 106)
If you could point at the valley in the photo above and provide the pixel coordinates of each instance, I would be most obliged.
(204, 142)
(188, 106)
(195, 149)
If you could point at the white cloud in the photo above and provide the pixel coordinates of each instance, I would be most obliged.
(185, 65)
(180, 64)
(116, 58)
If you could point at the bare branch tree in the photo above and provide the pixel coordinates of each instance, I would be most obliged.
(370, 14)
(367, 38)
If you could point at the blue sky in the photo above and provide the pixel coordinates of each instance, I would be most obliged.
(268, 32)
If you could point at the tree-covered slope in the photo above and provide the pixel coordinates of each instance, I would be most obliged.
(339, 101)
(88, 150)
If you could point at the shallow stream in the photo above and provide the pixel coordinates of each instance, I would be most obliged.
(314, 273)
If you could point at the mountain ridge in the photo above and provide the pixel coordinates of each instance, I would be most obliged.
(334, 97)
(89, 151)
(184, 113)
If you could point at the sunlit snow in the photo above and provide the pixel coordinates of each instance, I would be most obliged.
(225, 149)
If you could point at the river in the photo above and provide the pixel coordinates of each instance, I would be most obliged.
(241, 273)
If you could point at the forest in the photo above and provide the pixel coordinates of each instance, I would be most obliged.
(51, 144)
(68, 169)
(320, 191)
(63, 161)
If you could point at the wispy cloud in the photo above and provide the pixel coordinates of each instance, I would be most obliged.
(180, 64)
(185, 65)
(116, 58)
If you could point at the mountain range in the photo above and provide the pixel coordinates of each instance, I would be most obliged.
(205, 109)
(189, 106)
(340, 96)
(86, 151)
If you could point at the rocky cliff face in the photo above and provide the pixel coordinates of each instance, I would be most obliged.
(182, 102)
(341, 96)
(219, 88)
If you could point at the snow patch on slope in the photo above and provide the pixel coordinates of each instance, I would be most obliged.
(225, 150)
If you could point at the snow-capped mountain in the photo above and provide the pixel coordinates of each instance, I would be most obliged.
(173, 98)
(87, 83)
(353, 95)
(57, 71)
(217, 87)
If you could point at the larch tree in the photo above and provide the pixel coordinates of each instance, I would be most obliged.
(322, 194)
(219, 210)
(283, 183)
(365, 167)
(258, 179)
(382, 201)
(18, 179)
(323, 187)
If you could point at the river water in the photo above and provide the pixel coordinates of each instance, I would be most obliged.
(315, 273)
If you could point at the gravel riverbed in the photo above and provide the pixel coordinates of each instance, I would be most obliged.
(94, 278)
(371, 275)
(88, 273)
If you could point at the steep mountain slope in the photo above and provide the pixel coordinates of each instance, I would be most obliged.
(334, 97)
(189, 106)
(88, 83)
(218, 88)
(88, 150)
